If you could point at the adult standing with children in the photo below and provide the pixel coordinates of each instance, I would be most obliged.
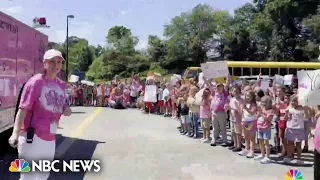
(43, 101)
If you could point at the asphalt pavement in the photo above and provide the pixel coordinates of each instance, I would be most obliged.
(137, 146)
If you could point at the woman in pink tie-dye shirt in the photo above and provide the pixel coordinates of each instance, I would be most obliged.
(42, 103)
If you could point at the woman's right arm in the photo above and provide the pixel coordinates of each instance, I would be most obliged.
(30, 93)
(21, 114)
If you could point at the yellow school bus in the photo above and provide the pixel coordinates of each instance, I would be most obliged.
(251, 68)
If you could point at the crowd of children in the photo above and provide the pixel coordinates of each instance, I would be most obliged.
(104, 94)
(250, 111)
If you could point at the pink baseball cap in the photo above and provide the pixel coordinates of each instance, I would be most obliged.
(51, 54)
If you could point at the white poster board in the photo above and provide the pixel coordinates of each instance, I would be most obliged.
(264, 84)
(215, 69)
(74, 78)
(175, 78)
(288, 79)
(198, 97)
(278, 79)
(200, 80)
(309, 87)
(150, 93)
(89, 83)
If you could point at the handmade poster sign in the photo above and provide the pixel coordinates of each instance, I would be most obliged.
(200, 80)
(309, 87)
(215, 70)
(150, 94)
(74, 78)
(175, 78)
(88, 83)
(288, 79)
(198, 97)
(278, 79)
(264, 84)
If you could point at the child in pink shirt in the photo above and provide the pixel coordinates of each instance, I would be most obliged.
(235, 105)
(249, 124)
(205, 115)
(265, 116)
(219, 115)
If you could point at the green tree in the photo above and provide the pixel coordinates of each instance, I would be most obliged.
(121, 38)
(273, 30)
(156, 49)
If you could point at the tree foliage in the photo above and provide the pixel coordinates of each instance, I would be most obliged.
(264, 30)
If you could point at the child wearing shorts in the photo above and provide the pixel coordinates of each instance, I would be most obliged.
(166, 97)
(265, 115)
(184, 117)
(235, 118)
(249, 124)
(205, 115)
(295, 133)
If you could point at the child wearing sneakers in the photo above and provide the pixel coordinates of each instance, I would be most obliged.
(249, 124)
(235, 118)
(184, 115)
(265, 116)
(295, 133)
(194, 111)
(205, 115)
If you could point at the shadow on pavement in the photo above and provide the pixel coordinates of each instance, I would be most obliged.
(79, 149)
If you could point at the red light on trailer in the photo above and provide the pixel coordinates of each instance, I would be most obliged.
(42, 21)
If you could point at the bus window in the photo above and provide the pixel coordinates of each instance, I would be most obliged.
(237, 72)
(230, 71)
(284, 71)
(246, 72)
(293, 71)
(274, 71)
(265, 71)
(255, 71)
(192, 74)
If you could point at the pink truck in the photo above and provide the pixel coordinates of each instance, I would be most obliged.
(21, 51)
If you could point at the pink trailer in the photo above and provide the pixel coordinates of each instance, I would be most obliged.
(21, 51)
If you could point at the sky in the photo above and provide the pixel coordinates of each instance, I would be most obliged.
(94, 18)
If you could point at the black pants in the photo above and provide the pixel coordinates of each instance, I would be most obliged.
(133, 100)
(316, 165)
(179, 111)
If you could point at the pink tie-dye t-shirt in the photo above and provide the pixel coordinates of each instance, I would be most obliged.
(235, 105)
(45, 100)
(219, 101)
(205, 109)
